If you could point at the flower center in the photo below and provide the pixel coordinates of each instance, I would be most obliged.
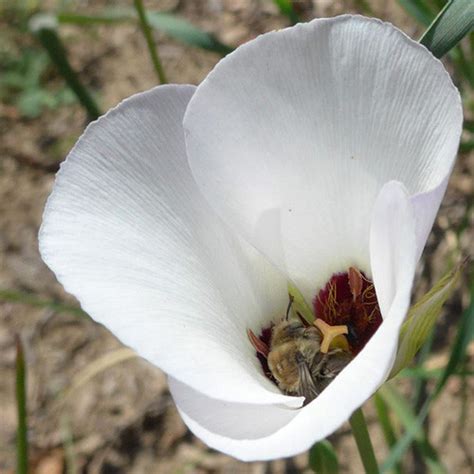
(302, 358)
(349, 299)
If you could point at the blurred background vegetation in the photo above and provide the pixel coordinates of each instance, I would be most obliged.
(91, 406)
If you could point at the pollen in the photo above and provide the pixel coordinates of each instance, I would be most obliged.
(329, 333)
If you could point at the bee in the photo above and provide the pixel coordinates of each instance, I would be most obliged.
(296, 362)
(295, 359)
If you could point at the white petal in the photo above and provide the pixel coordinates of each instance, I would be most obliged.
(425, 207)
(393, 245)
(292, 136)
(252, 431)
(127, 232)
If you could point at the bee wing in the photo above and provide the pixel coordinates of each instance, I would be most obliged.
(307, 388)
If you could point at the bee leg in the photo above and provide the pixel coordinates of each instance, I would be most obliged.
(307, 387)
(319, 365)
(328, 375)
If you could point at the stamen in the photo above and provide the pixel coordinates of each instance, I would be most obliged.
(355, 282)
(329, 333)
(257, 343)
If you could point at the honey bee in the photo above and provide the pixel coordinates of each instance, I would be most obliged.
(295, 359)
(296, 362)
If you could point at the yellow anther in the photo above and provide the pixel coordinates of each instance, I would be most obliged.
(329, 333)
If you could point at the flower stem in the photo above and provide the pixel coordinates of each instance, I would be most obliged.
(160, 72)
(364, 444)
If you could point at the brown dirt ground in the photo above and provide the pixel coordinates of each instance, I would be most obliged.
(121, 420)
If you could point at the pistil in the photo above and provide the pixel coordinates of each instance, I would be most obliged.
(328, 333)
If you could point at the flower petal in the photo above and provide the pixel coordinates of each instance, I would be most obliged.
(292, 136)
(127, 232)
(251, 431)
(392, 244)
(425, 207)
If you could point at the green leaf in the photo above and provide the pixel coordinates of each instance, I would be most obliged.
(323, 458)
(421, 318)
(186, 32)
(418, 10)
(299, 304)
(454, 22)
(172, 25)
(44, 26)
(286, 8)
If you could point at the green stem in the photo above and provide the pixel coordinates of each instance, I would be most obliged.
(22, 430)
(364, 444)
(53, 45)
(160, 72)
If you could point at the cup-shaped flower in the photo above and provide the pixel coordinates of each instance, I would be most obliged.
(180, 217)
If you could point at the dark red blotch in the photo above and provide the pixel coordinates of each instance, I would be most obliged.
(336, 304)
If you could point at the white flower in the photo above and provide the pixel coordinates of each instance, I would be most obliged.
(324, 146)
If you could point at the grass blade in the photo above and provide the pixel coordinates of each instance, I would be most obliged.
(172, 25)
(402, 409)
(386, 425)
(464, 336)
(464, 65)
(20, 297)
(44, 27)
(454, 22)
(323, 458)
(152, 49)
(109, 16)
(419, 10)
(22, 430)
(186, 32)
(407, 417)
(68, 446)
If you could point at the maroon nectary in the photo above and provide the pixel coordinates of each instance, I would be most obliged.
(349, 298)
